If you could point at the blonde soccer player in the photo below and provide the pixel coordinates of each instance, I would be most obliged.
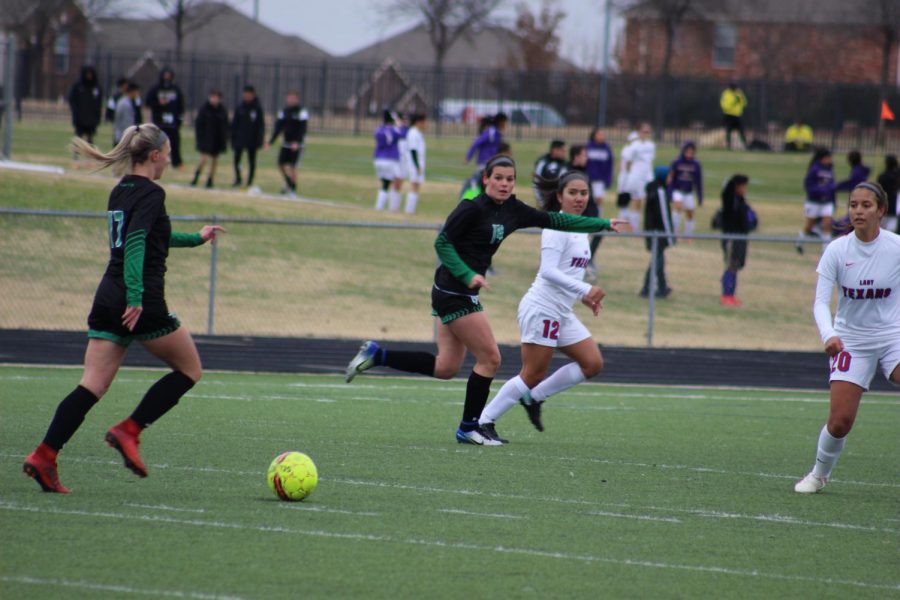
(865, 266)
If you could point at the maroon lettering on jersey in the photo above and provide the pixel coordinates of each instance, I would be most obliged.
(579, 262)
(866, 293)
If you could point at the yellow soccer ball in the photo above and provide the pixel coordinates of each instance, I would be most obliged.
(292, 476)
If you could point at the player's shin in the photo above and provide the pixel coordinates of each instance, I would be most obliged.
(827, 453)
(562, 379)
(478, 389)
(69, 416)
(505, 399)
(161, 398)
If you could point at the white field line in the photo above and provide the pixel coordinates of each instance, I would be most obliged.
(110, 587)
(565, 556)
(601, 513)
(456, 511)
(256, 398)
(309, 508)
(164, 507)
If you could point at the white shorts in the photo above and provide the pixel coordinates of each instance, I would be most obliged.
(403, 169)
(814, 210)
(415, 176)
(386, 168)
(545, 327)
(598, 190)
(857, 363)
(686, 199)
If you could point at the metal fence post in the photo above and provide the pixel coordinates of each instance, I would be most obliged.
(651, 288)
(213, 262)
(8, 102)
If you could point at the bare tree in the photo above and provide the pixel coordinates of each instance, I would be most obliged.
(185, 17)
(672, 13)
(538, 37)
(34, 23)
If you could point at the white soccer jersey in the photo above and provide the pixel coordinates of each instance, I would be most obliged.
(416, 141)
(868, 278)
(622, 179)
(640, 173)
(558, 285)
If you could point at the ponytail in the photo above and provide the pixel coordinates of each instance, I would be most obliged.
(134, 148)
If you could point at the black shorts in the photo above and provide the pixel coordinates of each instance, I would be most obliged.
(105, 323)
(735, 254)
(290, 157)
(81, 130)
(450, 307)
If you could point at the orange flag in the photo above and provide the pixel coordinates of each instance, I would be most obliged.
(886, 113)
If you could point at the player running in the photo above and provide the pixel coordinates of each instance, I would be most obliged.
(865, 265)
(546, 320)
(129, 305)
(471, 235)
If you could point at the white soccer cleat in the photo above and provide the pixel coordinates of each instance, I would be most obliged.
(810, 484)
(363, 361)
(475, 438)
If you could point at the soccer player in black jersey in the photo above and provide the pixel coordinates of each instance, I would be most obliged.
(129, 305)
(470, 237)
(292, 121)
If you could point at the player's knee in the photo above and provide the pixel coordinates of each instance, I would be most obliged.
(840, 424)
(592, 367)
(490, 360)
(532, 377)
(445, 372)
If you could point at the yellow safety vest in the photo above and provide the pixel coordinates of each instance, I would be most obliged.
(733, 102)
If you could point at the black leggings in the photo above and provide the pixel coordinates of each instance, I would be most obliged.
(251, 159)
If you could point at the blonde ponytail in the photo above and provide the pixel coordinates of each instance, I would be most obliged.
(134, 148)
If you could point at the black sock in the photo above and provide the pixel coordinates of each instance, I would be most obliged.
(287, 181)
(69, 416)
(477, 391)
(161, 397)
(196, 177)
(411, 362)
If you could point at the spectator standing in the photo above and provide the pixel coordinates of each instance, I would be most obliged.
(248, 132)
(86, 104)
(549, 166)
(658, 217)
(733, 102)
(798, 137)
(128, 111)
(685, 180)
(211, 130)
(600, 163)
(735, 219)
(121, 90)
(416, 144)
(889, 180)
(292, 120)
(166, 103)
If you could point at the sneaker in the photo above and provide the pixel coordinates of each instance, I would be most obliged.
(363, 361)
(44, 471)
(488, 431)
(534, 413)
(664, 293)
(127, 443)
(476, 438)
(727, 300)
(810, 484)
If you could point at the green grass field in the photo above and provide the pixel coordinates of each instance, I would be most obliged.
(632, 492)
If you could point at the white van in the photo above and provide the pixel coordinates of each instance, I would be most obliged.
(533, 114)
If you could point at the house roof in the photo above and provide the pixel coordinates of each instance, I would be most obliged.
(488, 47)
(819, 12)
(227, 32)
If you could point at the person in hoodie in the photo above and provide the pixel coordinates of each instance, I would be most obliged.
(211, 129)
(485, 146)
(387, 163)
(735, 219)
(889, 180)
(166, 103)
(86, 104)
(128, 111)
(292, 120)
(819, 186)
(600, 163)
(248, 132)
(658, 217)
(685, 180)
(858, 172)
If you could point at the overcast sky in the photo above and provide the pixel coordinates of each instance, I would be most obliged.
(344, 26)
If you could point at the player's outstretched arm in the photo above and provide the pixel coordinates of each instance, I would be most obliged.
(191, 240)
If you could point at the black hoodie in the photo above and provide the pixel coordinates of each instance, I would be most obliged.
(248, 127)
(86, 101)
(166, 102)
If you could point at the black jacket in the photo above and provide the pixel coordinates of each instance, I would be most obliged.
(734, 213)
(890, 181)
(166, 103)
(292, 120)
(248, 127)
(211, 129)
(86, 101)
(658, 213)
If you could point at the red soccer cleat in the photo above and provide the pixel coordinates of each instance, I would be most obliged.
(124, 438)
(42, 468)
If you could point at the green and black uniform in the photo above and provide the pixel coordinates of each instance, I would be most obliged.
(140, 236)
(473, 233)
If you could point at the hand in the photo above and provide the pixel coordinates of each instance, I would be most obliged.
(833, 346)
(130, 316)
(210, 232)
(479, 282)
(620, 225)
(594, 306)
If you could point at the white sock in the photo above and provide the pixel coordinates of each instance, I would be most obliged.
(412, 199)
(505, 399)
(562, 379)
(689, 226)
(623, 214)
(381, 201)
(634, 217)
(827, 453)
(676, 222)
(396, 200)
(600, 211)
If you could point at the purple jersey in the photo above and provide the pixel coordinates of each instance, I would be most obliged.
(485, 144)
(386, 143)
(819, 184)
(858, 174)
(687, 177)
(600, 162)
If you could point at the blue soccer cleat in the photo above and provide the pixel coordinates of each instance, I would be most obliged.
(363, 361)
